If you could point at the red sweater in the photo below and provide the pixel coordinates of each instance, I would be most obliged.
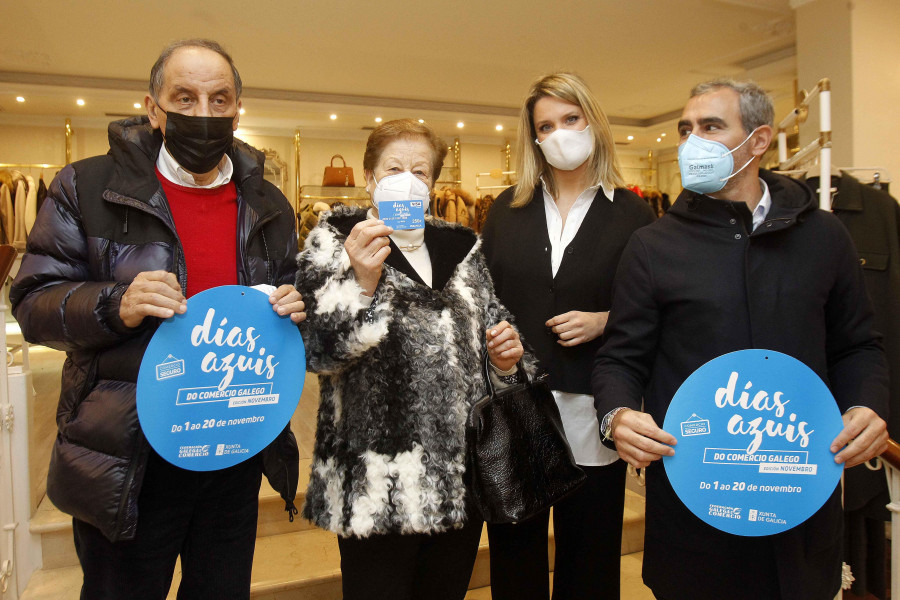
(206, 222)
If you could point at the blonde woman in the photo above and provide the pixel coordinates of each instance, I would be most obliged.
(552, 245)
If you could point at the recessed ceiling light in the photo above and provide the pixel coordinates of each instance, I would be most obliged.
(499, 127)
(421, 120)
(137, 104)
(20, 99)
(662, 135)
(242, 111)
(659, 139)
(460, 124)
(333, 117)
(80, 102)
(630, 137)
(378, 119)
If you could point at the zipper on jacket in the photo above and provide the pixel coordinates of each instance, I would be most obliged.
(257, 227)
(126, 483)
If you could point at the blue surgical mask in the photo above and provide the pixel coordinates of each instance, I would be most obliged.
(707, 165)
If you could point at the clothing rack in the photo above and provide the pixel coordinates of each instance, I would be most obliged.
(29, 166)
(310, 194)
(494, 174)
(822, 144)
(878, 175)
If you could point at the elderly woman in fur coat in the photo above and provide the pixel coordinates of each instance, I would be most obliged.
(397, 326)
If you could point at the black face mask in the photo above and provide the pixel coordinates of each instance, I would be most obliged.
(198, 143)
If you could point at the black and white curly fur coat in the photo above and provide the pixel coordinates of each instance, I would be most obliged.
(397, 380)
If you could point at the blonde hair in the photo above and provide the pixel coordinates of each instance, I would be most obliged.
(603, 165)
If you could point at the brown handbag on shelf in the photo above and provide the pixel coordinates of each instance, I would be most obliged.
(338, 176)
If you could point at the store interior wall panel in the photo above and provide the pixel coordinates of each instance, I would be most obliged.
(875, 33)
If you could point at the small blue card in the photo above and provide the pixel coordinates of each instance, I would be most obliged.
(219, 383)
(754, 431)
(402, 214)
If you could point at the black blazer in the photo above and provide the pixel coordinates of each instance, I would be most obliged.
(516, 245)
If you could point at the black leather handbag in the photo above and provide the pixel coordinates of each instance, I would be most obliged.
(518, 460)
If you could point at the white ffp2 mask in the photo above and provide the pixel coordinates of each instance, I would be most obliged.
(567, 149)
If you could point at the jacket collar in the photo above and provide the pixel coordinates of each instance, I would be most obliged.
(135, 145)
(790, 201)
(448, 244)
(849, 195)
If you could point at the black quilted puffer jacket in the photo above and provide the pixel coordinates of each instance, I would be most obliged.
(105, 220)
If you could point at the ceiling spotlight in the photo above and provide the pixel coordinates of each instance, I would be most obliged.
(630, 137)
(421, 120)
(659, 139)
(662, 135)
(378, 119)
(20, 99)
(137, 104)
(333, 117)
(460, 124)
(242, 111)
(499, 127)
(80, 102)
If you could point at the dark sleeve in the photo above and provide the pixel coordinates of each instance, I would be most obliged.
(623, 364)
(857, 366)
(287, 262)
(490, 229)
(53, 297)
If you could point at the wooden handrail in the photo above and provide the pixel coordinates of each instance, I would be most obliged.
(892, 454)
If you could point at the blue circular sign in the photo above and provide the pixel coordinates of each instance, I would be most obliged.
(219, 383)
(754, 431)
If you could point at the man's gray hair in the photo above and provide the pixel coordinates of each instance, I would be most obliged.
(756, 105)
(156, 73)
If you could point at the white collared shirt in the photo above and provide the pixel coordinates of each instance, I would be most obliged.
(579, 417)
(762, 209)
(175, 173)
(560, 236)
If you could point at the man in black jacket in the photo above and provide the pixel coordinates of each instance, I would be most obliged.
(746, 260)
(177, 206)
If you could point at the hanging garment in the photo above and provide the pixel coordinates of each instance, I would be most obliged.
(872, 217)
(30, 205)
(41, 193)
(5, 209)
(19, 214)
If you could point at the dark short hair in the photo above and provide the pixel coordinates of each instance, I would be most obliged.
(156, 72)
(755, 104)
(404, 128)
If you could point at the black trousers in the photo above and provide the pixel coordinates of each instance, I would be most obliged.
(409, 567)
(587, 527)
(209, 518)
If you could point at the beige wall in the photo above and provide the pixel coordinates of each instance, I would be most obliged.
(875, 31)
(46, 144)
(856, 45)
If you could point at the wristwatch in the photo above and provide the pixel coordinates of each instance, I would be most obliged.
(606, 423)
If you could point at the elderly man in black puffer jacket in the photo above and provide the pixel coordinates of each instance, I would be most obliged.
(119, 243)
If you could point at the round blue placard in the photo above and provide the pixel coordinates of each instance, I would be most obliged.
(754, 432)
(219, 383)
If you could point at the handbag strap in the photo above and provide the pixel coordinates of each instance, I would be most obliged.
(340, 157)
(486, 370)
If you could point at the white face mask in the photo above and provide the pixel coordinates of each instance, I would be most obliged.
(402, 186)
(567, 149)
